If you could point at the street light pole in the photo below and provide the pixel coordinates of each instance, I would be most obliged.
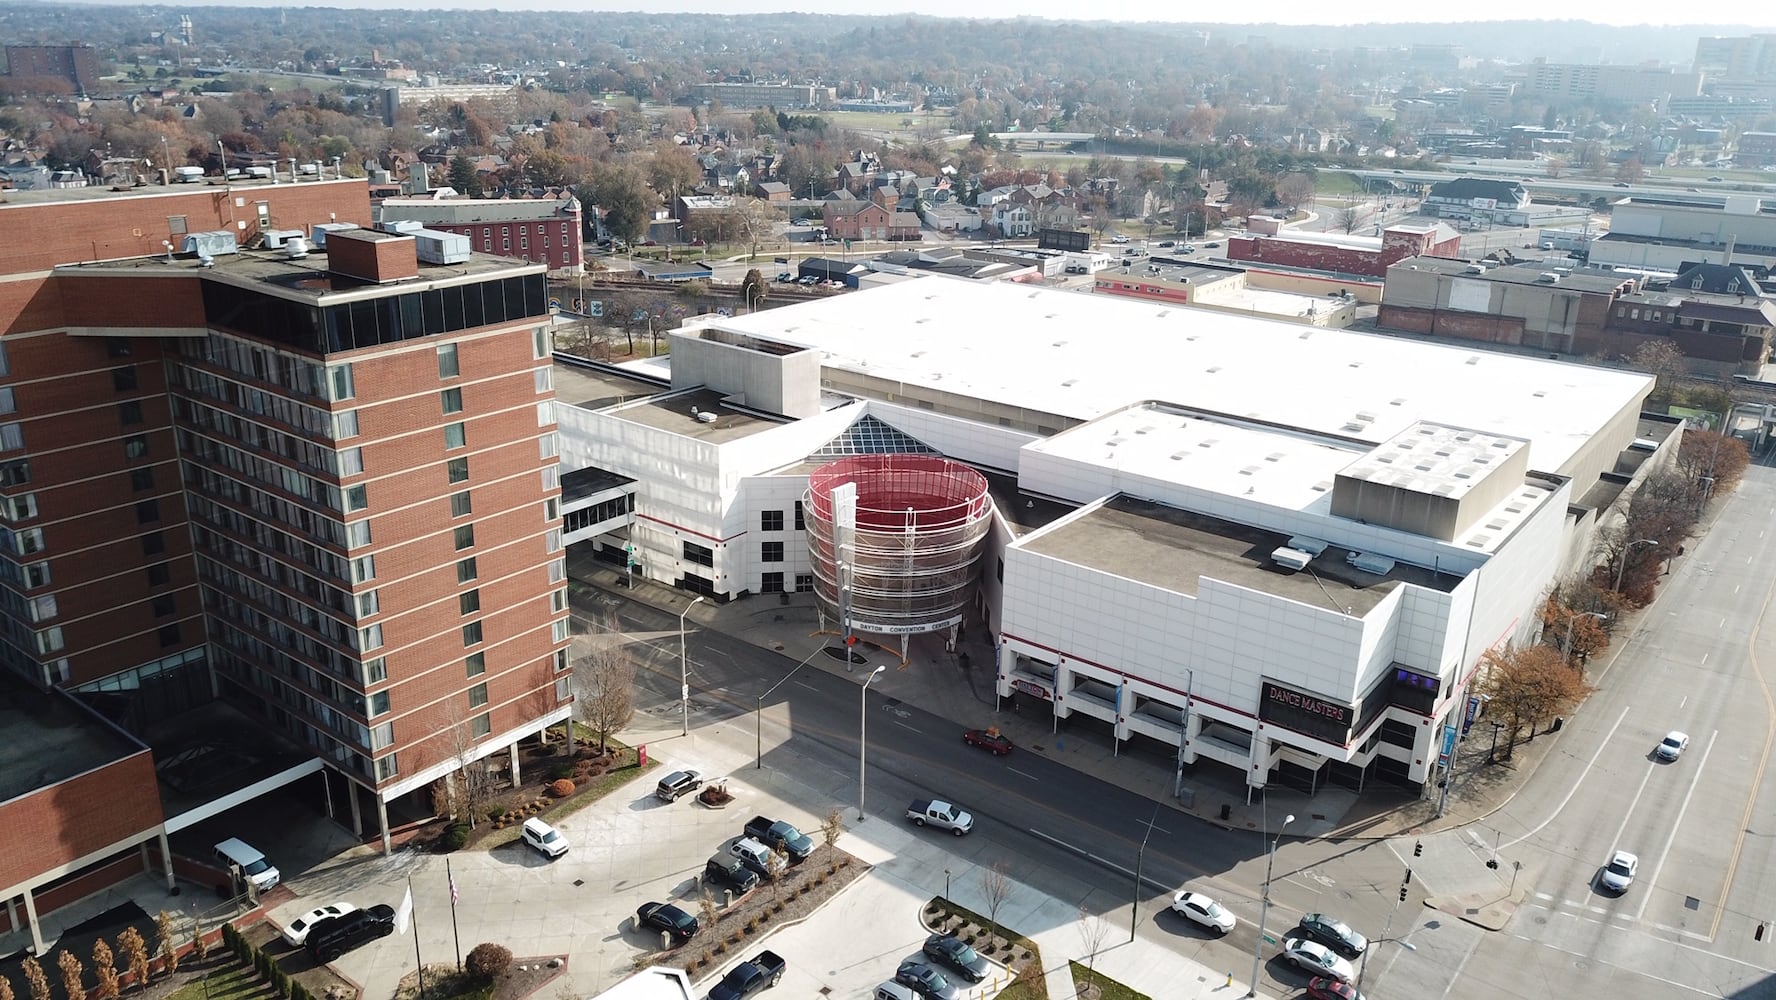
(758, 714)
(862, 723)
(1264, 904)
(684, 670)
(1622, 566)
(1140, 860)
(1567, 646)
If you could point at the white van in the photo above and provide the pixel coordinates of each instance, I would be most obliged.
(254, 866)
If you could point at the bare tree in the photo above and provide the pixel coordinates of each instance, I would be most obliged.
(1092, 931)
(755, 221)
(831, 828)
(72, 980)
(996, 888)
(166, 940)
(1665, 363)
(776, 863)
(604, 683)
(1349, 217)
(711, 911)
(470, 784)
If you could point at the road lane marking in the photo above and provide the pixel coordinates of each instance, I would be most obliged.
(1570, 792)
(1021, 774)
(1757, 777)
(1695, 776)
(805, 684)
(907, 727)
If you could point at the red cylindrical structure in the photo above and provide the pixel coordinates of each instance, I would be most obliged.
(913, 551)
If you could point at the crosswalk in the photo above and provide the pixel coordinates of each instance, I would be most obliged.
(1538, 906)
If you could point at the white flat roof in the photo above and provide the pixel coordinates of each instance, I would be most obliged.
(1082, 356)
(1435, 459)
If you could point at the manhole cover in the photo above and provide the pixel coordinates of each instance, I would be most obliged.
(1541, 920)
(1692, 903)
(579, 882)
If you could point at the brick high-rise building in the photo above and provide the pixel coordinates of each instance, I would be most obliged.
(77, 64)
(322, 486)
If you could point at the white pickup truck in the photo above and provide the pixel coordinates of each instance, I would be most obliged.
(942, 815)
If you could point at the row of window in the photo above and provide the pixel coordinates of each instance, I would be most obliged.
(772, 583)
(334, 462)
(276, 634)
(275, 692)
(269, 473)
(388, 319)
(300, 417)
(281, 575)
(772, 520)
(305, 378)
(598, 513)
(242, 587)
(271, 539)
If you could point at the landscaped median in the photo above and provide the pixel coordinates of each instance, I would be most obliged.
(558, 783)
(1017, 953)
(1091, 985)
(780, 902)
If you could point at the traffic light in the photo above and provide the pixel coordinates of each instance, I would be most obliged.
(1418, 848)
(1407, 880)
(1402, 894)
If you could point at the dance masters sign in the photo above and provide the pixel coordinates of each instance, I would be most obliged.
(1306, 713)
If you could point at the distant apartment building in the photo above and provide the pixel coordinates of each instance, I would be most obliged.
(1266, 243)
(543, 231)
(320, 485)
(396, 98)
(1756, 149)
(77, 64)
(1742, 57)
(1609, 83)
(782, 96)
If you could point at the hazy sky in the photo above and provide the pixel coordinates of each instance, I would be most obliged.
(1624, 12)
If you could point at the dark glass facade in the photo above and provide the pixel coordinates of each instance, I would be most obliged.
(369, 322)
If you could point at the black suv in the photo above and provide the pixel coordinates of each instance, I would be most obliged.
(335, 936)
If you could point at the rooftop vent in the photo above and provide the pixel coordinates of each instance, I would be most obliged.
(1548, 277)
(1368, 563)
(1290, 559)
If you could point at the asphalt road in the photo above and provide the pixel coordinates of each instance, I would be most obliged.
(1056, 828)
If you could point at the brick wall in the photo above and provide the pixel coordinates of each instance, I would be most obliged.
(77, 817)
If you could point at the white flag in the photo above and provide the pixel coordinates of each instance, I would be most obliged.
(404, 915)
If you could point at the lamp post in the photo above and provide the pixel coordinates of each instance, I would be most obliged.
(684, 670)
(1264, 904)
(1567, 646)
(758, 714)
(862, 723)
(1622, 566)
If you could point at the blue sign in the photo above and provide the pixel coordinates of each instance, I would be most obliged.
(1472, 713)
(1448, 746)
(595, 308)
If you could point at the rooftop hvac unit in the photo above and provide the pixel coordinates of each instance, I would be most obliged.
(1476, 268)
(436, 247)
(1303, 543)
(296, 248)
(187, 175)
(276, 238)
(1368, 563)
(209, 244)
(1293, 560)
(1548, 277)
(317, 234)
(402, 226)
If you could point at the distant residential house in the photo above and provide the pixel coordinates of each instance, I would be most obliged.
(1462, 197)
(775, 192)
(876, 219)
(546, 231)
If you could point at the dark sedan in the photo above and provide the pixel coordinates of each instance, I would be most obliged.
(988, 739)
(1334, 934)
(926, 981)
(666, 917)
(958, 955)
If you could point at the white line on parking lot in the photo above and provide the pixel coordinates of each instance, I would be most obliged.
(805, 684)
(909, 728)
(1021, 774)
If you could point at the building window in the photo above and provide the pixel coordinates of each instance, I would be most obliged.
(351, 461)
(552, 509)
(464, 536)
(50, 640)
(465, 570)
(557, 601)
(554, 540)
(7, 404)
(153, 543)
(141, 479)
(804, 583)
(771, 583)
(471, 633)
(469, 601)
(11, 437)
(363, 568)
(375, 671)
(123, 379)
(506, 244)
(547, 447)
(369, 603)
(358, 533)
(387, 767)
(475, 664)
(540, 342)
(698, 554)
(164, 606)
(460, 505)
(453, 436)
(558, 629)
(15, 473)
(356, 498)
(370, 637)
(134, 446)
(168, 635)
(147, 511)
(452, 400)
(447, 365)
(478, 695)
(458, 470)
(44, 608)
(129, 412)
(771, 552)
(771, 520)
(560, 660)
(339, 382)
(543, 379)
(523, 242)
(800, 524)
(19, 508)
(381, 736)
(158, 575)
(376, 704)
(482, 725)
(345, 424)
(558, 571)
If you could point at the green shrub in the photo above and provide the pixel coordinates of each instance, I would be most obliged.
(495, 812)
(559, 771)
(488, 960)
(455, 836)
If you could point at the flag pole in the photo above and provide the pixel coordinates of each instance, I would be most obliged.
(418, 966)
(455, 931)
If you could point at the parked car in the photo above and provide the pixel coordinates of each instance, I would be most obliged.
(334, 936)
(988, 739)
(1119, 238)
(1618, 875)
(1314, 957)
(926, 981)
(940, 814)
(296, 932)
(753, 855)
(1215, 245)
(677, 784)
(1200, 909)
(1672, 746)
(1167, 243)
(726, 870)
(958, 955)
(546, 839)
(666, 917)
(1334, 933)
(1324, 988)
(764, 971)
(776, 833)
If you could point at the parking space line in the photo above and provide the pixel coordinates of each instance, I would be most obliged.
(1021, 774)
(908, 728)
